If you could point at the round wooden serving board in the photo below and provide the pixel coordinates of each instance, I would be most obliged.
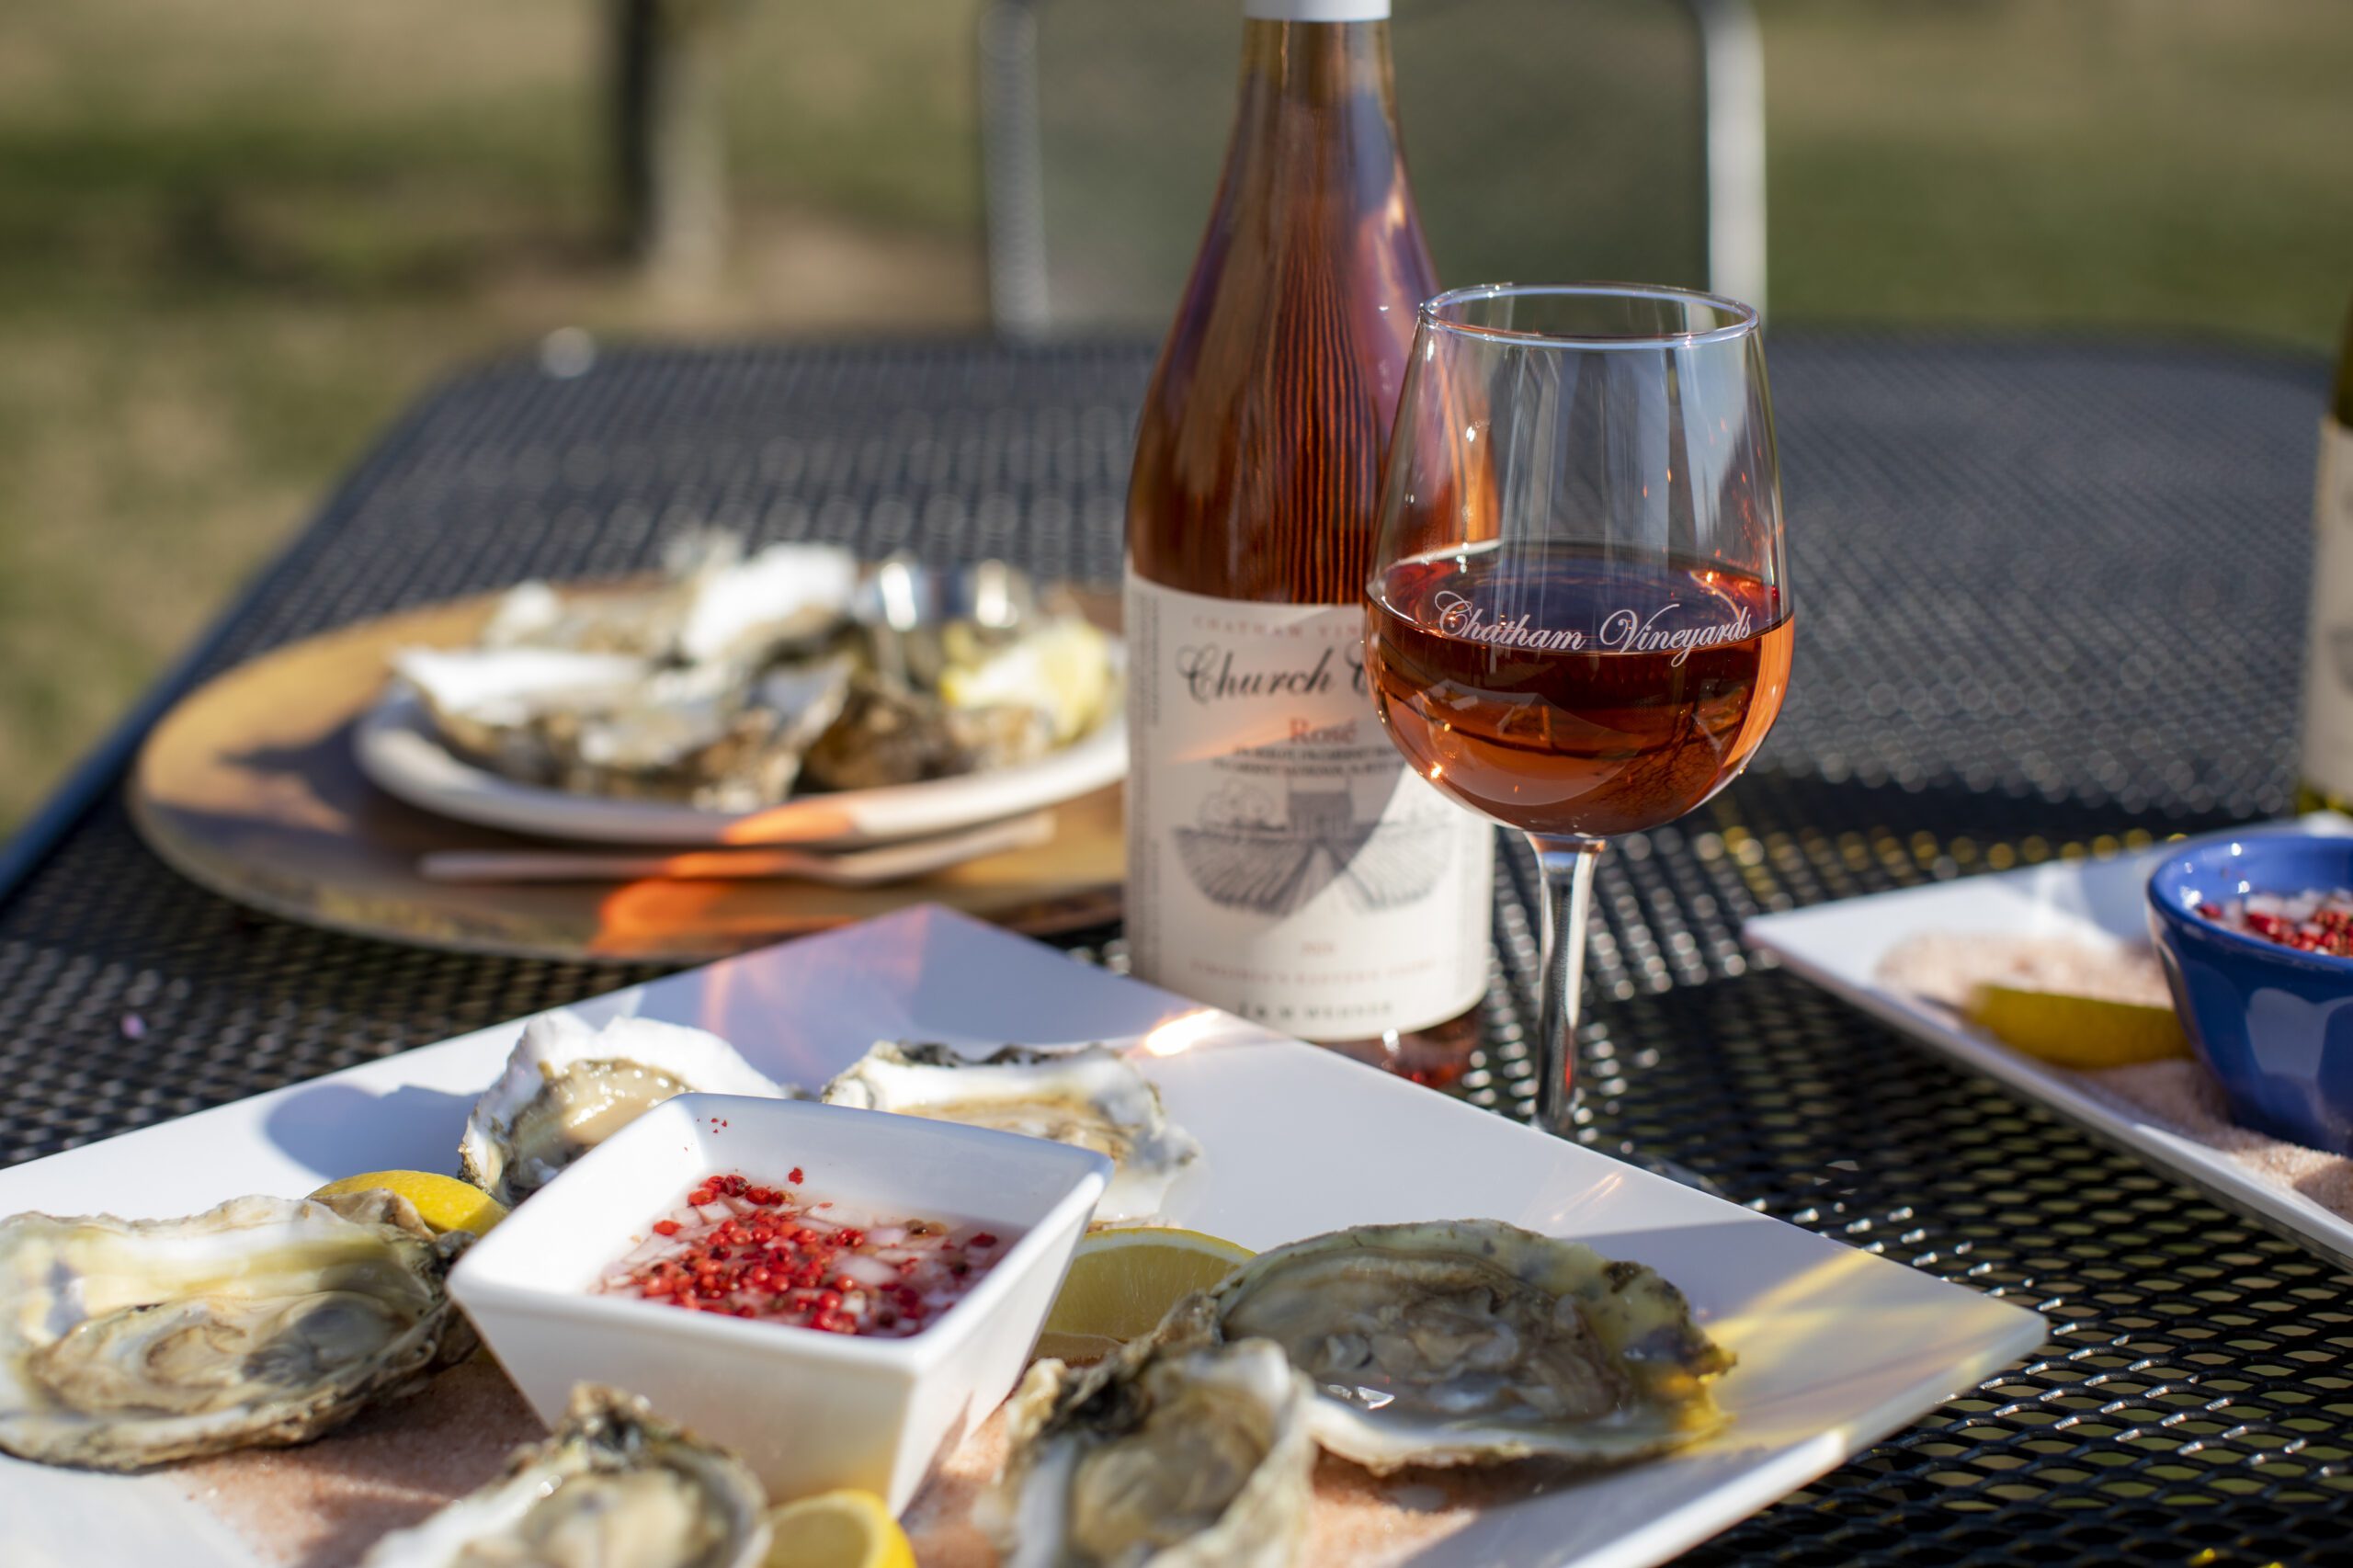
(250, 788)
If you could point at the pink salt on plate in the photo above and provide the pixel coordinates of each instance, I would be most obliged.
(324, 1503)
(2179, 1095)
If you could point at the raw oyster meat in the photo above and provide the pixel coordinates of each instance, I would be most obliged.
(266, 1320)
(568, 1087)
(614, 1486)
(1092, 1098)
(890, 734)
(1185, 1459)
(1472, 1342)
(696, 733)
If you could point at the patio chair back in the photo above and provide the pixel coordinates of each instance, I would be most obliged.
(1549, 140)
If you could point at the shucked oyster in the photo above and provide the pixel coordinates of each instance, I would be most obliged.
(1188, 1459)
(699, 733)
(1472, 1342)
(568, 1087)
(613, 1487)
(267, 1321)
(1092, 1098)
(888, 735)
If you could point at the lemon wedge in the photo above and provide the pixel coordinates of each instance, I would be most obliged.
(1064, 668)
(838, 1530)
(443, 1202)
(1122, 1281)
(2077, 1031)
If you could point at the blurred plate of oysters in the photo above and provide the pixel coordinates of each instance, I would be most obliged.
(789, 694)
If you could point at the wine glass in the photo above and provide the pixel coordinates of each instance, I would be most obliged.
(1578, 623)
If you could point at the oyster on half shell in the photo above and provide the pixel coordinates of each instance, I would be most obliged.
(614, 1486)
(568, 1087)
(1092, 1098)
(265, 1322)
(1472, 1342)
(1171, 1459)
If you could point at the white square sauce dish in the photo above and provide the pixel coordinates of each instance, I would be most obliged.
(807, 1408)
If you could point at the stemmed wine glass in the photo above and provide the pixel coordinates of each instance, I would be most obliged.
(1578, 623)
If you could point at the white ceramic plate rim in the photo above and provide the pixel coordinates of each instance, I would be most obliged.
(1839, 945)
(1838, 1346)
(401, 755)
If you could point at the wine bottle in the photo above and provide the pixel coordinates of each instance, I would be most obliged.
(2325, 775)
(1282, 861)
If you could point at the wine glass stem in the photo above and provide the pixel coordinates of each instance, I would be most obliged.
(1566, 863)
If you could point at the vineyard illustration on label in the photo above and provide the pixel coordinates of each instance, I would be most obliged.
(1246, 851)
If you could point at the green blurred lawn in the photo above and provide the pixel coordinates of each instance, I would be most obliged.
(236, 239)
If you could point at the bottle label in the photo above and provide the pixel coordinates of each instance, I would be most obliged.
(1316, 10)
(1283, 862)
(2328, 653)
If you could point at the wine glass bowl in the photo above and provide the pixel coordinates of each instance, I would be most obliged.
(1513, 681)
(1578, 622)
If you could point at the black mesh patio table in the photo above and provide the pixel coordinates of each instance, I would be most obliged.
(2051, 601)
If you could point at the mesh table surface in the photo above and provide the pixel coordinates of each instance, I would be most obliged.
(2051, 600)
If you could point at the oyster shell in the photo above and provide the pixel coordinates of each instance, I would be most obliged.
(1186, 1459)
(744, 611)
(266, 1320)
(493, 703)
(614, 1486)
(1472, 1342)
(1092, 1098)
(568, 1087)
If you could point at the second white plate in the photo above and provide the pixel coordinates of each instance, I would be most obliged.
(1839, 947)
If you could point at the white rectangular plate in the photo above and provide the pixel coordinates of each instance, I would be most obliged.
(1837, 1348)
(1839, 947)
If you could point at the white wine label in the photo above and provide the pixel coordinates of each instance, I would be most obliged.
(1283, 862)
(2328, 652)
(1316, 10)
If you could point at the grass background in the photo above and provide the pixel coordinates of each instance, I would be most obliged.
(235, 238)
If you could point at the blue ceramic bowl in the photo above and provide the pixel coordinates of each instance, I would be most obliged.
(2274, 1025)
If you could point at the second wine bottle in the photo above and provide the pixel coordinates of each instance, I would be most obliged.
(1282, 861)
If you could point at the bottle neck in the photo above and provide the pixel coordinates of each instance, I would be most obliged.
(1315, 144)
(1320, 67)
